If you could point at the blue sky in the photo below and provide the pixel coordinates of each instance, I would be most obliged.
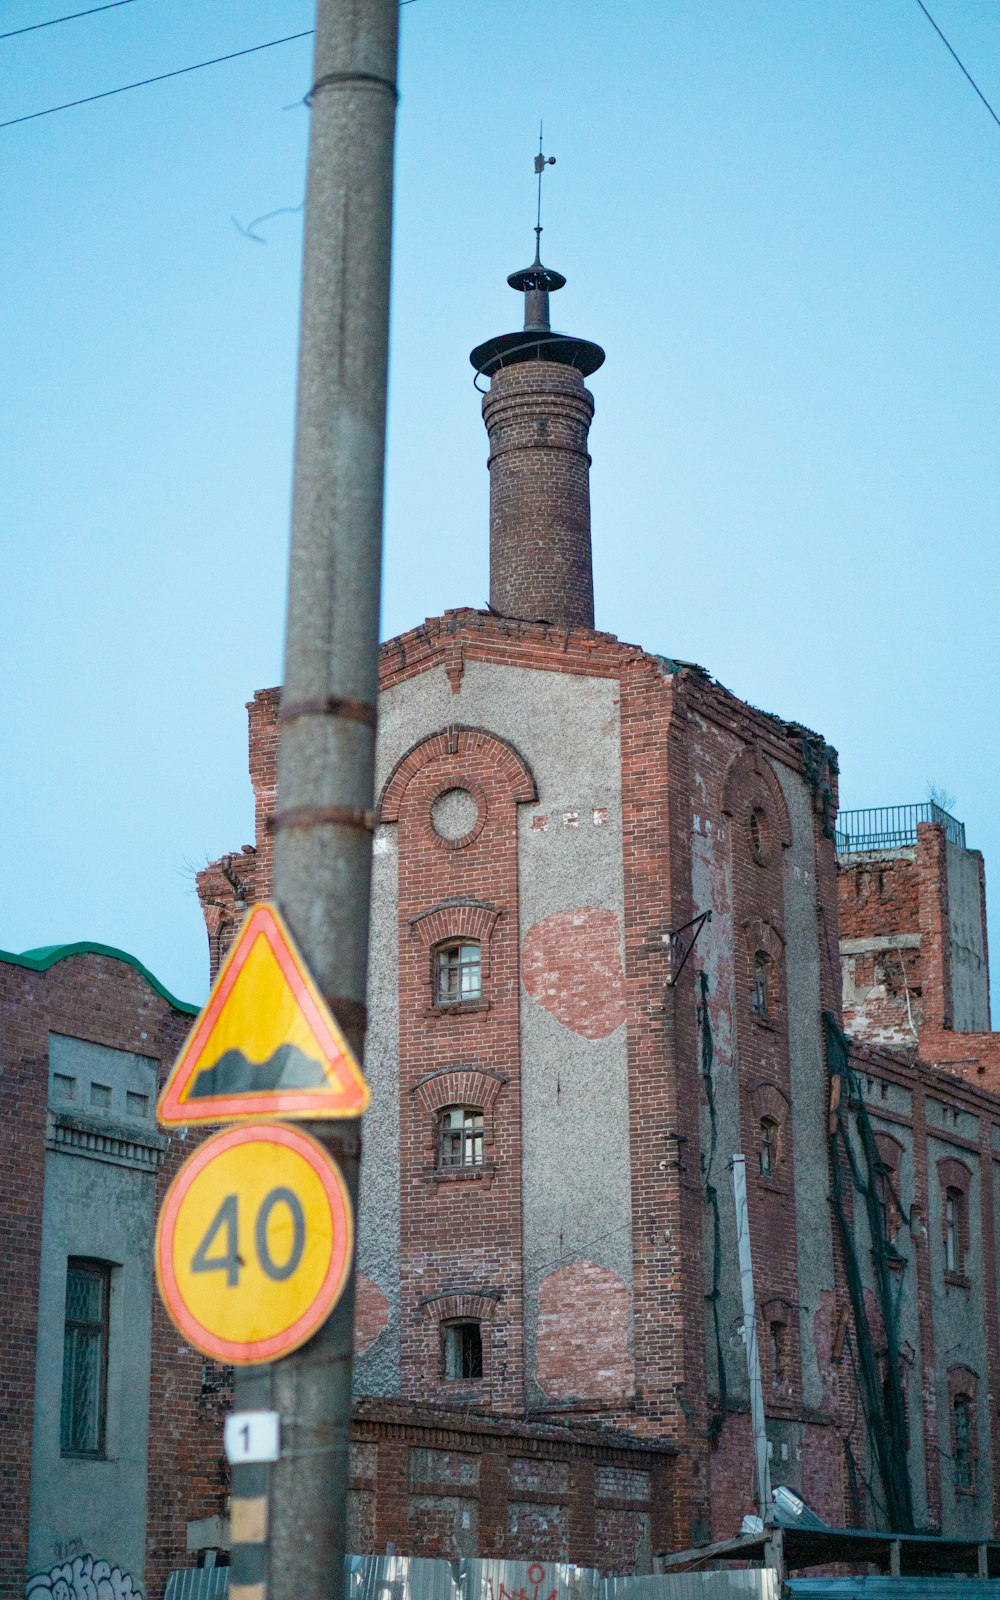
(779, 217)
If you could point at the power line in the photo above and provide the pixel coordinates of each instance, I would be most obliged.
(160, 77)
(34, 26)
(968, 74)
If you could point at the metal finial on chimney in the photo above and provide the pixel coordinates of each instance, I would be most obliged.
(536, 341)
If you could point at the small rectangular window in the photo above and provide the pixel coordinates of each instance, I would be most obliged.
(954, 1218)
(85, 1358)
(964, 1458)
(458, 974)
(759, 997)
(462, 1349)
(460, 1137)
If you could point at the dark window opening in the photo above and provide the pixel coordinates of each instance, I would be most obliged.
(462, 1349)
(760, 836)
(460, 1137)
(768, 1147)
(778, 1344)
(458, 974)
(954, 1220)
(85, 1358)
(963, 1456)
(760, 997)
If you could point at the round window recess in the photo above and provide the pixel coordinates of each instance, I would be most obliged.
(454, 814)
(760, 836)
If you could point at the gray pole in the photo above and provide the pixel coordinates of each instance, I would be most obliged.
(326, 764)
(738, 1169)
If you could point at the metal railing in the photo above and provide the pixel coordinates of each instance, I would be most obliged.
(889, 827)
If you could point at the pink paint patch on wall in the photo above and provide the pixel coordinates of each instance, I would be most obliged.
(371, 1313)
(571, 964)
(582, 1344)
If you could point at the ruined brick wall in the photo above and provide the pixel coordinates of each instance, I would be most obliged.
(879, 901)
(447, 1484)
(104, 1001)
(644, 1369)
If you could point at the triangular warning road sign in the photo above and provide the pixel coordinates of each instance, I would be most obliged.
(266, 1044)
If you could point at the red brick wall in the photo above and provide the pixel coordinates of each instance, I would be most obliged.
(460, 1229)
(104, 1001)
(439, 1483)
(751, 791)
(538, 415)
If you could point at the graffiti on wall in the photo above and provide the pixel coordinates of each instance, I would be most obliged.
(83, 1578)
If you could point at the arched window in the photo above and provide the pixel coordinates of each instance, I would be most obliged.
(458, 972)
(954, 1217)
(760, 836)
(460, 1136)
(963, 1453)
(768, 1148)
(887, 1185)
(760, 996)
(777, 1335)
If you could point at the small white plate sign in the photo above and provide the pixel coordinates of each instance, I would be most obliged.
(252, 1436)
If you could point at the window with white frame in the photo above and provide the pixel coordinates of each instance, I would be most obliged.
(458, 972)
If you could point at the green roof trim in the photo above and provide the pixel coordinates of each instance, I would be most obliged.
(47, 955)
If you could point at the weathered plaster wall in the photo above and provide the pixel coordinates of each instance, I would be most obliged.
(575, 1121)
(959, 1325)
(969, 980)
(712, 888)
(101, 1209)
(377, 1367)
(882, 1096)
(803, 954)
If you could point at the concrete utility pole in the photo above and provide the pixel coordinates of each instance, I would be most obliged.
(739, 1171)
(288, 1538)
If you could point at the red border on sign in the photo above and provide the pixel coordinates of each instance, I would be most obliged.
(346, 1094)
(247, 1352)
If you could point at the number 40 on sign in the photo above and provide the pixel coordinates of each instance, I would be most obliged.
(254, 1242)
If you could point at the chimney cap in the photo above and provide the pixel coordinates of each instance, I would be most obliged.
(529, 279)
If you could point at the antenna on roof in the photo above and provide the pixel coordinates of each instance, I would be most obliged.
(541, 162)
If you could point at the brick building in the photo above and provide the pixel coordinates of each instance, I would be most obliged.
(549, 1319)
(547, 1236)
(111, 1426)
(916, 1005)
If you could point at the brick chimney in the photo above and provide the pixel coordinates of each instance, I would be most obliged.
(537, 412)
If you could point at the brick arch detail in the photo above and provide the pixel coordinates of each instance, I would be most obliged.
(458, 741)
(954, 1174)
(750, 777)
(769, 1101)
(459, 1086)
(761, 935)
(468, 920)
(460, 1303)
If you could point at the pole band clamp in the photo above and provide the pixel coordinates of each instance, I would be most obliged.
(330, 706)
(320, 816)
(361, 79)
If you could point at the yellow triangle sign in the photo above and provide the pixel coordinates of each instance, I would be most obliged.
(266, 1044)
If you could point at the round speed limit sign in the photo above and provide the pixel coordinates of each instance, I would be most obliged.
(254, 1242)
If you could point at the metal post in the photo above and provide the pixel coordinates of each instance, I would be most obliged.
(326, 767)
(738, 1169)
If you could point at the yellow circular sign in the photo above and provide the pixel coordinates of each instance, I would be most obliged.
(254, 1242)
